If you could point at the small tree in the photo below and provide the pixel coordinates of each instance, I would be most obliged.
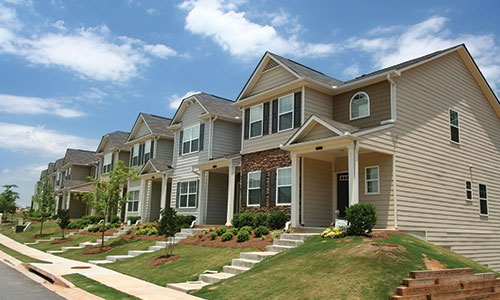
(8, 200)
(46, 202)
(63, 220)
(109, 193)
(169, 227)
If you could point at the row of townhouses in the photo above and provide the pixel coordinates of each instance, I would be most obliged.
(419, 140)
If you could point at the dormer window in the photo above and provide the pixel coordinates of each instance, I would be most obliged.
(360, 106)
(256, 121)
(191, 139)
(107, 163)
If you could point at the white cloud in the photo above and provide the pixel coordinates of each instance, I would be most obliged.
(352, 71)
(160, 51)
(5, 171)
(25, 177)
(410, 42)
(59, 25)
(175, 100)
(234, 32)
(34, 106)
(40, 141)
(152, 11)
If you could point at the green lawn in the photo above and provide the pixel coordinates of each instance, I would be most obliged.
(96, 288)
(21, 257)
(122, 246)
(194, 261)
(77, 239)
(49, 227)
(347, 268)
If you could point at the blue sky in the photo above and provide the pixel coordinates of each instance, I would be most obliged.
(72, 71)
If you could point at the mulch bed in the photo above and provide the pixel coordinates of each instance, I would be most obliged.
(61, 241)
(66, 230)
(153, 238)
(162, 260)
(107, 232)
(37, 236)
(380, 235)
(97, 250)
(205, 241)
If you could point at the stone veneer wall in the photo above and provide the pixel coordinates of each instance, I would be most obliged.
(268, 161)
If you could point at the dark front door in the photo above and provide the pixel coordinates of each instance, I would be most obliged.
(342, 193)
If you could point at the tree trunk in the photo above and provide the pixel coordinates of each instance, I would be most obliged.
(62, 233)
(41, 227)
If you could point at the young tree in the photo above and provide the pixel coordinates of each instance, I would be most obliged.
(109, 193)
(46, 202)
(63, 220)
(169, 227)
(8, 200)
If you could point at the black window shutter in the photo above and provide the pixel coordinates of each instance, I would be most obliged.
(263, 184)
(202, 135)
(151, 150)
(181, 135)
(247, 123)
(265, 119)
(297, 109)
(197, 192)
(272, 187)
(244, 190)
(275, 117)
(177, 195)
(112, 160)
(131, 155)
(102, 165)
(141, 154)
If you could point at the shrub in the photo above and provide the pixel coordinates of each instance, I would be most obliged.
(114, 219)
(246, 219)
(246, 228)
(236, 220)
(260, 219)
(133, 220)
(221, 230)
(362, 218)
(148, 229)
(184, 221)
(243, 236)
(213, 235)
(227, 236)
(78, 224)
(233, 230)
(276, 220)
(261, 231)
(275, 234)
(93, 219)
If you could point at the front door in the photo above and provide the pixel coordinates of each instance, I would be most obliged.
(342, 193)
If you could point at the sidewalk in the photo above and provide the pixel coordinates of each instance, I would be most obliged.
(61, 266)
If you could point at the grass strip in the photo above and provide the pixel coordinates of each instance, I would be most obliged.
(21, 257)
(96, 288)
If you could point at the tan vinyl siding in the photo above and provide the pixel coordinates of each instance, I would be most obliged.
(318, 132)
(142, 130)
(125, 157)
(217, 199)
(80, 173)
(165, 150)
(318, 192)
(226, 138)
(432, 171)
(317, 103)
(380, 105)
(154, 210)
(270, 79)
(134, 184)
(107, 147)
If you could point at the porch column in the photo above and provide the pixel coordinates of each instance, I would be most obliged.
(201, 199)
(295, 191)
(230, 194)
(163, 200)
(142, 196)
(68, 203)
(353, 151)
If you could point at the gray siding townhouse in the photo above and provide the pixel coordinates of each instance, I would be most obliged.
(206, 158)
(419, 140)
(151, 150)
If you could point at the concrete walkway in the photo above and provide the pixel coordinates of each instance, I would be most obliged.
(61, 266)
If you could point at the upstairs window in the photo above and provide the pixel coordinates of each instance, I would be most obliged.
(285, 110)
(468, 190)
(256, 121)
(106, 164)
(191, 139)
(188, 192)
(133, 201)
(372, 182)
(253, 197)
(284, 186)
(483, 200)
(148, 151)
(360, 106)
(454, 126)
(135, 155)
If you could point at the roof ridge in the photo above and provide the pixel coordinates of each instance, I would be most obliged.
(300, 64)
(219, 97)
(157, 116)
(80, 150)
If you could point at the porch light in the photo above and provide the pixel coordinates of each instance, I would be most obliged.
(214, 167)
(319, 148)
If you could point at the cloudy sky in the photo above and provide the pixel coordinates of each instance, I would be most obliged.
(72, 71)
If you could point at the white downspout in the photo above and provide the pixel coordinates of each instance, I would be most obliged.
(393, 93)
(393, 117)
(211, 137)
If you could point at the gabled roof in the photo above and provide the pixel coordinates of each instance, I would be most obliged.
(155, 164)
(80, 157)
(43, 173)
(117, 140)
(211, 104)
(59, 164)
(157, 126)
(51, 168)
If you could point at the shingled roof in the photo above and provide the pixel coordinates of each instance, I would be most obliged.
(117, 140)
(158, 125)
(79, 157)
(58, 164)
(218, 106)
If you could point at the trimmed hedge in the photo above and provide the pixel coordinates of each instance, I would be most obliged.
(260, 219)
(276, 220)
(227, 236)
(221, 230)
(243, 236)
(362, 217)
(261, 231)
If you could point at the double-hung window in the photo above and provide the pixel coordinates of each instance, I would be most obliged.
(483, 200)
(191, 139)
(284, 186)
(372, 180)
(454, 127)
(106, 164)
(147, 151)
(135, 155)
(253, 196)
(187, 194)
(256, 116)
(285, 112)
(360, 106)
(133, 201)
(468, 190)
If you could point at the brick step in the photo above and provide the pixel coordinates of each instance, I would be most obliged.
(441, 273)
(258, 256)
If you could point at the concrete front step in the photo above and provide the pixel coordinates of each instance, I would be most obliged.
(297, 236)
(71, 248)
(100, 262)
(258, 256)
(182, 235)
(165, 243)
(55, 251)
(214, 278)
(114, 258)
(234, 269)
(277, 248)
(156, 248)
(85, 244)
(139, 252)
(188, 286)
(285, 242)
(246, 263)
(191, 231)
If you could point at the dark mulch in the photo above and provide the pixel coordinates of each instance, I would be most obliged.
(97, 250)
(163, 260)
(107, 232)
(61, 241)
(144, 237)
(37, 236)
(66, 230)
(205, 241)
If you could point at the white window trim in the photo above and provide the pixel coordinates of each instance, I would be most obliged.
(104, 165)
(136, 148)
(260, 120)
(191, 139)
(467, 190)
(450, 125)
(278, 186)
(188, 194)
(378, 180)
(292, 111)
(130, 201)
(350, 106)
(248, 187)
(479, 196)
